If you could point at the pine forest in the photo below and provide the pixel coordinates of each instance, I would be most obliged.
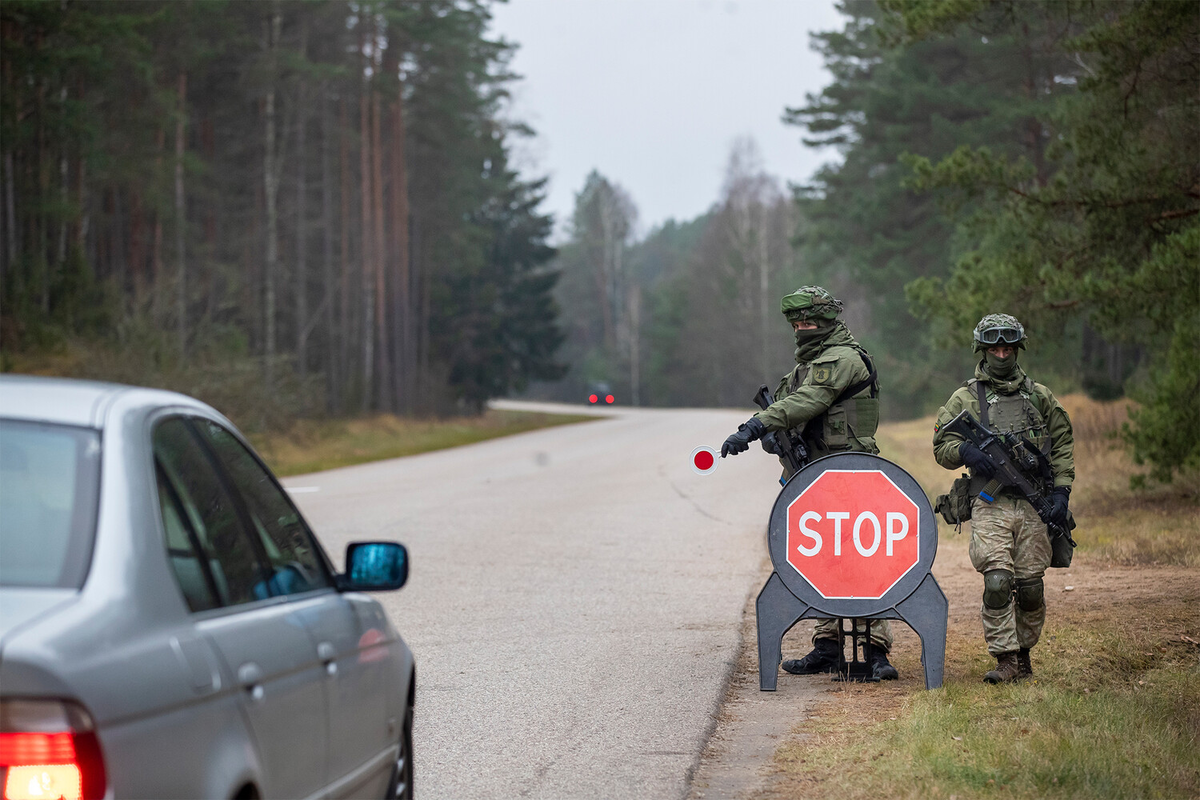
(302, 209)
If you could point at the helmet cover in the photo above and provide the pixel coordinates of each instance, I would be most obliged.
(810, 302)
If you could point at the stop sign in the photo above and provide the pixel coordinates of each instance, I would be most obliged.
(852, 534)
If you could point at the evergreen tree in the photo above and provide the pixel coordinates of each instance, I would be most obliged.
(865, 233)
(1114, 232)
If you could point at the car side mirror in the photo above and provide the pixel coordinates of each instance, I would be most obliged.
(374, 567)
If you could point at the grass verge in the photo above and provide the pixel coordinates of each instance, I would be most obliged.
(1113, 712)
(315, 445)
(1114, 709)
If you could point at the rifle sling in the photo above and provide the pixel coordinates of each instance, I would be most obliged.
(871, 380)
(981, 393)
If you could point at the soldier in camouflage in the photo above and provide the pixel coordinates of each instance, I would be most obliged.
(831, 399)
(1010, 545)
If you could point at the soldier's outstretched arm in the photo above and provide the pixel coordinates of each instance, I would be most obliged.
(825, 381)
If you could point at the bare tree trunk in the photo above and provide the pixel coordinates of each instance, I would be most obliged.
(332, 397)
(402, 285)
(181, 214)
(635, 363)
(85, 217)
(380, 250)
(137, 248)
(12, 235)
(302, 327)
(64, 191)
(764, 300)
(43, 185)
(156, 262)
(271, 188)
(368, 257)
(344, 296)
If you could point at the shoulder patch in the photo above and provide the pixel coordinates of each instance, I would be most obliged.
(822, 374)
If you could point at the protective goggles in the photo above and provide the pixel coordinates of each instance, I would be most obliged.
(1006, 334)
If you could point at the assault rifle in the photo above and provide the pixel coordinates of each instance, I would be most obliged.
(1015, 459)
(781, 443)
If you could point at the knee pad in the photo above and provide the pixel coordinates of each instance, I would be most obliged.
(1030, 594)
(997, 588)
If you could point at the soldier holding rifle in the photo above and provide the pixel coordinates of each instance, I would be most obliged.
(828, 403)
(1016, 440)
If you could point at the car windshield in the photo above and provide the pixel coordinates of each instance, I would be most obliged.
(49, 484)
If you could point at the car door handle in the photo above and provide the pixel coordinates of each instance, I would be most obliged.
(250, 676)
(328, 655)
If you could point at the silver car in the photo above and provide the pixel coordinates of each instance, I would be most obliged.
(169, 625)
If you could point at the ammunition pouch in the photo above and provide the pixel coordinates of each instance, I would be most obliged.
(955, 506)
(1061, 549)
(849, 417)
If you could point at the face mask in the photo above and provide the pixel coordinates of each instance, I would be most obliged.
(1002, 368)
(804, 337)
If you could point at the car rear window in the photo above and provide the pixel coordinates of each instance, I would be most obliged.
(49, 485)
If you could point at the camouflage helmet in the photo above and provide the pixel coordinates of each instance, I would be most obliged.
(810, 302)
(999, 329)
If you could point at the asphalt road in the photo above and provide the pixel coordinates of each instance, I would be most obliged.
(574, 601)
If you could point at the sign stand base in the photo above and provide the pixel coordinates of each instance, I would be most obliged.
(778, 609)
(855, 670)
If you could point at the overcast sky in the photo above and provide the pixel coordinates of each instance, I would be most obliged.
(652, 93)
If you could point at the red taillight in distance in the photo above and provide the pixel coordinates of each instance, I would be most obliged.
(610, 399)
(49, 751)
(593, 399)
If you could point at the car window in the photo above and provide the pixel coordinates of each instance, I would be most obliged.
(296, 564)
(49, 487)
(195, 580)
(210, 512)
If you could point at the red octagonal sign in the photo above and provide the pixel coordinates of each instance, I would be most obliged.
(852, 534)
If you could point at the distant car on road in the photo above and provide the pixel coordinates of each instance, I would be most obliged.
(599, 393)
(169, 625)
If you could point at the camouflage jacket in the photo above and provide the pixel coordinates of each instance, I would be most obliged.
(1048, 427)
(809, 390)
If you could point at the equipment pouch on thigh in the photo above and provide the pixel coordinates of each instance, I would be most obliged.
(955, 506)
(1061, 547)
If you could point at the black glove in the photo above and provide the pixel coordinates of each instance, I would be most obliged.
(749, 431)
(1058, 504)
(976, 460)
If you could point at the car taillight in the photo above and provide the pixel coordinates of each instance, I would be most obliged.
(592, 398)
(49, 750)
(609, 399)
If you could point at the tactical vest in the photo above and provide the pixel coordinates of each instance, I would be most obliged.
(1009, 413)
(854, 414)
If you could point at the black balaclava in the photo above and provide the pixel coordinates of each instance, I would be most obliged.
(1004, 369)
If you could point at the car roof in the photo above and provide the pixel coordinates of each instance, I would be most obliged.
(67, 401)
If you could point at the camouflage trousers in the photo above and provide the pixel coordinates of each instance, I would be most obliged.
(881, 632)
(1008, 534)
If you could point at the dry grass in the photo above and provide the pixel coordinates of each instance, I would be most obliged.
(315, 445)
(1114, 710)
(1156, 525)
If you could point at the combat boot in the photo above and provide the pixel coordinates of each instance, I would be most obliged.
(881, 668)
(1024, 663)
(1008, 669)
(823, 658)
